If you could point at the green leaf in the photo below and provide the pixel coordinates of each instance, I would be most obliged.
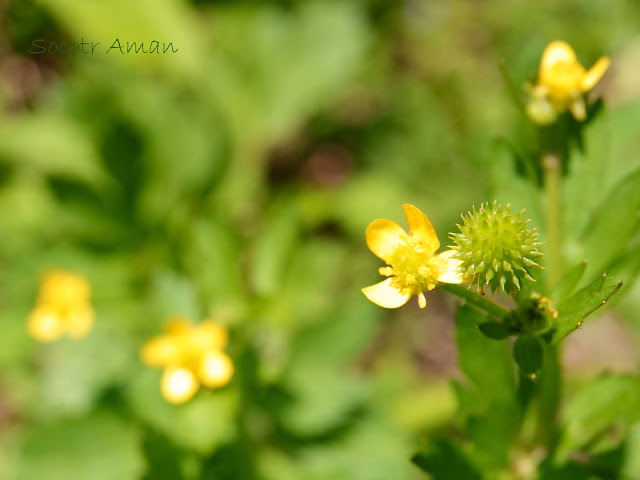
(53, 144)
(144, 21)
(172, 294)
(626, 266)
(601, 407)
(162, 457)
(495, 330)
(310, 289)
(614, 223)
(326, 392)
(202, 424)
(631, 465)
(573, 311)
(567, 471)
(274, 247)
(569, 282)
(610, 154)
(310, 52)
(99, 447)
(371, 450)
(582, 188)
(76, 373)
(527, 352)
(485, 362)
(445, 461)
(494, 413)
(219, 279)
(17, 347)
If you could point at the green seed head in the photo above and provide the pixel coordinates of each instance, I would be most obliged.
(496, 248)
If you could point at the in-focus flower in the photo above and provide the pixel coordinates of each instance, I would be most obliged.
(412, 263)
(190, 355)
(62, 307)
(562, 82)
(496, 248)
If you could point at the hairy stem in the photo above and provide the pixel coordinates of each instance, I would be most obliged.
(550, 389)
(477, 300)
(551, 167)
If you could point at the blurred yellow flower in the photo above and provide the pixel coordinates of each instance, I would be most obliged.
(562, 81)
(63, 307)
(190, 355)
(412, 263)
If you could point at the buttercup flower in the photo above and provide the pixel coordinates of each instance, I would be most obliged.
(562, 81)
(413, 265)
(62, 308)
(190, 355)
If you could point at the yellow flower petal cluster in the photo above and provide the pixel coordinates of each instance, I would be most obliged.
(63, 307)
(190, 355)
(412, 263)
(562, 81)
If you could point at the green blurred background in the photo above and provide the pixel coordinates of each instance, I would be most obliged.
(235, 179)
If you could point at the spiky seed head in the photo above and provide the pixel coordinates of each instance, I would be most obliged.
(496, 248)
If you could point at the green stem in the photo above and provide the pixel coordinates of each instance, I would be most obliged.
(548, 396)
(551, 167)
(477, 300)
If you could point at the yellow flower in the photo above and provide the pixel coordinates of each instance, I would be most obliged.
(562, 81)
(62, 307)
(412, 263)
(190, 355)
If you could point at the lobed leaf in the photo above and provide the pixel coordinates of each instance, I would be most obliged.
(527, 352)
(202, 424)
(486, 363)
(573, 311)
(605, 404)
(445, 461)
(494, 330)
(614, 223)
(99, 447)
(569, 282)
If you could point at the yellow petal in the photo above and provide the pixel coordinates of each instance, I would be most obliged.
(555, 52)
(178, 385)
(44, 325)
(79, 320)
(541, 111)
(177, 324)
(578, 109)
(209, 335)
(216, 369)
(384, 295)
(448, 267)
(382, 237)
(537, 91)
(63, 289)
(596, 72)
(161, 351)
(421, 228)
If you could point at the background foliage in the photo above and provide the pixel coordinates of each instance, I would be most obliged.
(235, 179)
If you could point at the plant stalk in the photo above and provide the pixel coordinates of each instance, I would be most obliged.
(551, 168)
(477, 300)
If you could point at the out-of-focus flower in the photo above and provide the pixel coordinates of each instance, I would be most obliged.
(191, 355)
(63, 307)
(496, 248)
(562, 82)
(413, 265)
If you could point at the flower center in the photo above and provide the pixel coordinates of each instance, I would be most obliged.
(411, 267)
(563, 80)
